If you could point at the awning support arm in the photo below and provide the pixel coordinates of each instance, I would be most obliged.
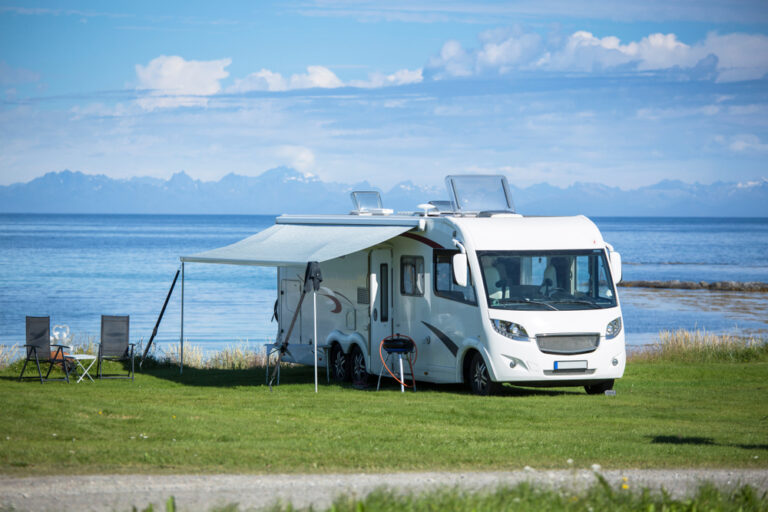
(312, 279)
(159, 318)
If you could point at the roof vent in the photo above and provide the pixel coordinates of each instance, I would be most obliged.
(368, 202)
(480, 194)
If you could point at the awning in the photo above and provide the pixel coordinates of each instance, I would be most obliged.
(297, 244)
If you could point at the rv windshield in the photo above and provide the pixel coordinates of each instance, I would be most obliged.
(547, 280)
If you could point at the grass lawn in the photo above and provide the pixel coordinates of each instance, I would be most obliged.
(665, 414)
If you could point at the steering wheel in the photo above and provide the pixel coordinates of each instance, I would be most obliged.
(553, 291)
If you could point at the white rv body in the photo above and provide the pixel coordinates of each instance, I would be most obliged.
(400, 286)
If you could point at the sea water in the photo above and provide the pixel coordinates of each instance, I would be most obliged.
(75, 268)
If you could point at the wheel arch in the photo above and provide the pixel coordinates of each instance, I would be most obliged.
(346, 341)
(464, 359)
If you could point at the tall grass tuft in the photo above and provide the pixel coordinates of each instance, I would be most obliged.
(85, 344)
(700, 346)
(8, 355)
(193, 355)
(232, 357)
(238, 357)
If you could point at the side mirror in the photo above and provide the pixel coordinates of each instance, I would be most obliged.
(616, 267)
(460, 269)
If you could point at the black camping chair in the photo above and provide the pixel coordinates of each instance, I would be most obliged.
(38, 349)
(115, 344)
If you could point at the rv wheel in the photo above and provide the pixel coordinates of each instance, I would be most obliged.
(599, 388)
(357, 368)
(479, 380)
(339, 364)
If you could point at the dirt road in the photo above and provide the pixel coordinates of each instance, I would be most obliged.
(202, 492)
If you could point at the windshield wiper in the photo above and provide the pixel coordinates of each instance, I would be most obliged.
(526, 301)
(577, 301)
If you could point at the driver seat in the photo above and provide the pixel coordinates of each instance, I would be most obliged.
(549, 280)
(492, 281)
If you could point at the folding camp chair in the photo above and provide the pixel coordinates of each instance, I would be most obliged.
(38, 348)
(115, 344)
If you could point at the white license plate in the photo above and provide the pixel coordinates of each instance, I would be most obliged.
(570, 365)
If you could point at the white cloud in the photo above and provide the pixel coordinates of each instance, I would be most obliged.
(400, 77)
(747, 142)
(264, 80)
(320, 77)
(299, 157)
(739, 56)
(505, 53)
(731, 57)
(585, 52)
(172, 81)
(453, 61)
(316, 76)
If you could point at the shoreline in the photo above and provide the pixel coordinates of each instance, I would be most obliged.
(720, 286)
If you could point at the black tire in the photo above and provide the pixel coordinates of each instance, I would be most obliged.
(339, 364)
(357, 370)
(479, 379)
(599, 388)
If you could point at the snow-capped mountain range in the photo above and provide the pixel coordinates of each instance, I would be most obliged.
(285, 190)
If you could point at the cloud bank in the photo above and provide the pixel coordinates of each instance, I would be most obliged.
(728, 58)
(172, 81)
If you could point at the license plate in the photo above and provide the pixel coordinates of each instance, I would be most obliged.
(570, 365)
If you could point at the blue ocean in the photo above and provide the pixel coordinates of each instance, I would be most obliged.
(74, 268)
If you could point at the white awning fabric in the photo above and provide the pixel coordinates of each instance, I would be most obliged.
(297, 244)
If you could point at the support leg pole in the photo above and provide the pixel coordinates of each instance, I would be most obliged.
(314, 337)
(181, 339)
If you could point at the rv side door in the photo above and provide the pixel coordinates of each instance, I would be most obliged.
(381, 299)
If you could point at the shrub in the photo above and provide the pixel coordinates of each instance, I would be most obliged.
(700, 346)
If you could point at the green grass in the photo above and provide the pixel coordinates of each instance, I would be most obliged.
(665, 414)
(526, 497)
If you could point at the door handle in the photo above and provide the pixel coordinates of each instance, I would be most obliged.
(375, 315)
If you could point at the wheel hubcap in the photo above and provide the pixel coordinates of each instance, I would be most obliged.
(338, 365)
(480, 377)
(359, 367)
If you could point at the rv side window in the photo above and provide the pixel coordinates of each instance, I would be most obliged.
(384, 287)
(412, 275)
(445, 286)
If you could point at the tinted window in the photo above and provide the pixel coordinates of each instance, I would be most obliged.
(384, 273)
(445, 286)
(412, 275)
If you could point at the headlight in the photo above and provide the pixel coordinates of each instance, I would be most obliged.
(510, 330)
(613, 329)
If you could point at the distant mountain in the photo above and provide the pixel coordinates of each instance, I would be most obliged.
(285, 190)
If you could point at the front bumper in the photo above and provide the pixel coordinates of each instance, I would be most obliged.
(523, 361)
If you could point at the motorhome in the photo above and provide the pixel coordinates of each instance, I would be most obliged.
(488, 296)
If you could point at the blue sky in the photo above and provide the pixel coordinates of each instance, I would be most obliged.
(620, 93)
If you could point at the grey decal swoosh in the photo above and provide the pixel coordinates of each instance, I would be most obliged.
(448, 342)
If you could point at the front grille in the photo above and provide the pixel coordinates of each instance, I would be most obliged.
(567, 343)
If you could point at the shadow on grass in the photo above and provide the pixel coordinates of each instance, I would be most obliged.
(389, 384)
(305, 375)
(289, 375)
(703, 441)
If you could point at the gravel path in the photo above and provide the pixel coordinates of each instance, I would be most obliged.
(202, 492)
